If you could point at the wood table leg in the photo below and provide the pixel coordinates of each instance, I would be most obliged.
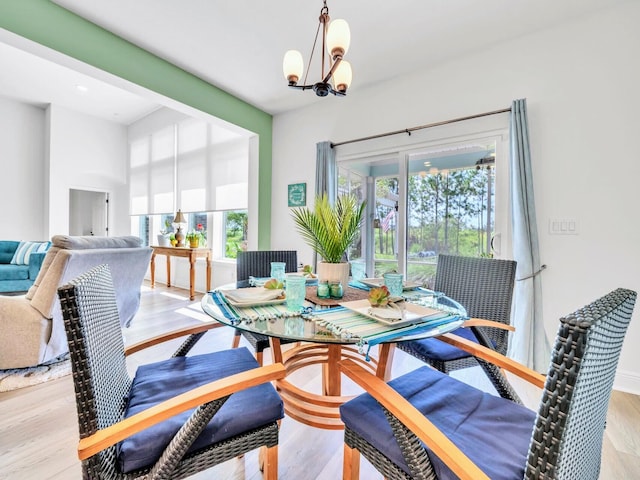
(208, 272)
(276, 350)
(331, 384)
(168, 271)
(153, 270)
(385, 360)
(192, 276)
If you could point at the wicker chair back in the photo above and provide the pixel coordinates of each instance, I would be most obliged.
(103, 388)
(484, 286)
(257, 263)
(567, 439)
(100, 375)
(567, 433)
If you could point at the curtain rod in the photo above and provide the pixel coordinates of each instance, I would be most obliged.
(429, 125)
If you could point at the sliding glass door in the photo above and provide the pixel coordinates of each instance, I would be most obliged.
(424, 202)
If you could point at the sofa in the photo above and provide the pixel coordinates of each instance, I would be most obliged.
(31, 325)
(20, 264)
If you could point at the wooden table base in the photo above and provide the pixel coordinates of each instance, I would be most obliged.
(320, 410)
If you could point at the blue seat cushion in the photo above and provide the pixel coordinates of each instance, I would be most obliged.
(493, 432)
(437, 349)
(153, 383)
(14, 272)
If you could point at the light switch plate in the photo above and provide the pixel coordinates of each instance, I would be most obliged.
(563, 226)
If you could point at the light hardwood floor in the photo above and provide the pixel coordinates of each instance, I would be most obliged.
(38, 430)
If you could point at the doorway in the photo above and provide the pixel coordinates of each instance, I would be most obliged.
(88, 213)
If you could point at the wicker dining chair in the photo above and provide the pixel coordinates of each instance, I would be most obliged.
(257, 263)
(484, 286)
(177, 416)
(474, 435)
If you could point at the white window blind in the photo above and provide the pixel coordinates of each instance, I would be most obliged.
(162, 173)
(230, 181)
(213, 170)
(190, 165)
(139, 176)
(193, 171)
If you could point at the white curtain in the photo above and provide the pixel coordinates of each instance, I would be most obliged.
(528, 344)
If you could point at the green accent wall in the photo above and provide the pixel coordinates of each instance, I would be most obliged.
(52, 26)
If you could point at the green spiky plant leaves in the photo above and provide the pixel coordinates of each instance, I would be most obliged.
(330, 229)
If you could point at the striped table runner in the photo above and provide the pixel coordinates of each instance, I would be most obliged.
(237, 314)
(369, 332)
(342, 322)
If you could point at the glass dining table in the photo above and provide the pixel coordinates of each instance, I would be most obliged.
(328, 335)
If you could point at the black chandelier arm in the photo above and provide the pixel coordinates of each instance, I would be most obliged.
(321, 89)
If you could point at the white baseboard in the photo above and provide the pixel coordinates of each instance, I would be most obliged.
(627, 381)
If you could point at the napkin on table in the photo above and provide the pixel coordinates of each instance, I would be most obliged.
(257, 294)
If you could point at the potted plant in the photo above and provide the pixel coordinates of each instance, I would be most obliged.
(165, 233)
(329, 230)
(193, 238)
(197, 237)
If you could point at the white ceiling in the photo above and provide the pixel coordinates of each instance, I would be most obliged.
(238, 45)
(32, 79)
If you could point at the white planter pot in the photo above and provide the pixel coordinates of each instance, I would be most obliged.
(334, 272)
(164, 241)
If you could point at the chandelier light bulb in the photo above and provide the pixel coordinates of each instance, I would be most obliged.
(342, 76)
(292, 66)
(338, 38)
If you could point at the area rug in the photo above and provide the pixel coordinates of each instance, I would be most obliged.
(26, 377)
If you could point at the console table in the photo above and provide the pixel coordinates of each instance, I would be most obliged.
(191, 254)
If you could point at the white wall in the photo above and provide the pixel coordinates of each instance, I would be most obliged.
(86, 153)
(22, 132)
(46, 152)
(581, 83)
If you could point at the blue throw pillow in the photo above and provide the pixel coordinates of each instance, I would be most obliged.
(25, 249)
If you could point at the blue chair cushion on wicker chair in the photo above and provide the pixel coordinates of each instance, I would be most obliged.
(163, 380)
(433, 348)
(494, 432)
(484, 286)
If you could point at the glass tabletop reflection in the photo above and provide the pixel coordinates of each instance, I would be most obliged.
(335, 325)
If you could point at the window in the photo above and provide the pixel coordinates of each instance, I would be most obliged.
(197, 222)
(140, 226)
(429, 200)
(450, 210)
(235, 228)
(197, 166)
(148, 227)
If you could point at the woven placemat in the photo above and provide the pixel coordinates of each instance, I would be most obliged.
(349, 295)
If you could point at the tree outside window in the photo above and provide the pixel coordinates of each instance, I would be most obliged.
(236, 223)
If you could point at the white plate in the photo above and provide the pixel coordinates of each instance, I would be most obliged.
(378, 282)
(391, 316)
(253, 297)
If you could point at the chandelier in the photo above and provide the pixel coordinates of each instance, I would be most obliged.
(335, 40)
